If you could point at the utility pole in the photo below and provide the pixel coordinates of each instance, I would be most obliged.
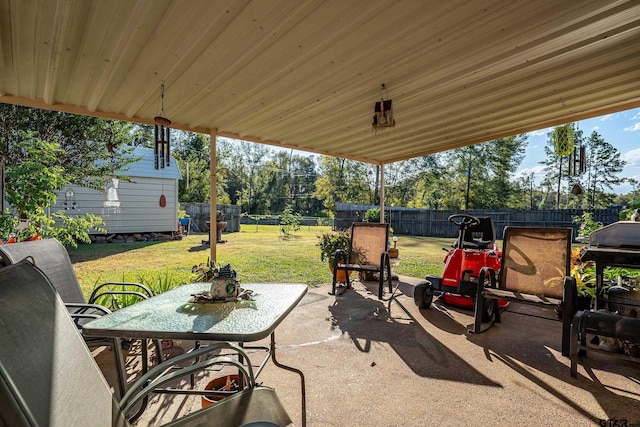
(531, 190)
(559, 182)
(466, 196)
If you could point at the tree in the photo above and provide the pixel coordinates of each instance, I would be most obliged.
(400, 182)
(428, 184)
(603, 167)
(504, 155)
(191, 151)
(478, 176)
(556, 169)
(31, 187)
(341, 181)
(92, 149)
(31, 182)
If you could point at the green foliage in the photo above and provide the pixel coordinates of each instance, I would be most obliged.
(587, 224)
(89, 149)
(342, 181)
(584, 273)
(31, 186)
(163, 282)
(373, 215)
(74, 229)
(603, 167)
(612, 274)
(8, 224)
(31, 183)
(289, 223)
(485, 170)
(330, 242)
(182, 213)
(117, 301)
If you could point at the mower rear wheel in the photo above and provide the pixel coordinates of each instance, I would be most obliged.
(423, 294)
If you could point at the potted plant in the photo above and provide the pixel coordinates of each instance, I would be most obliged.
(329, 243)
(8, 225)
(586, 286)
(584, 273)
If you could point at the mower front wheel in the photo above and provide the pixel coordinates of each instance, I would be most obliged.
(423, 294)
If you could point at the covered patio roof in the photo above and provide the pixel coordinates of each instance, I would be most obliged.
(306, 74)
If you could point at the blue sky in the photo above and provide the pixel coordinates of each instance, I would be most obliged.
(622, 130)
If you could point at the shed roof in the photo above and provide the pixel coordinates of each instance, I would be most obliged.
(145, 166)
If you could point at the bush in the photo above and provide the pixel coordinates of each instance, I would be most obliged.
(289, 223)
(330, 242)
(587, 224)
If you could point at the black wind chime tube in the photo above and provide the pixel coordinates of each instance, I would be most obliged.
(161, 135)
(161, 144)
(155, 145)
(168, 145)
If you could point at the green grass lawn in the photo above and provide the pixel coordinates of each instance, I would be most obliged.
(257, 254)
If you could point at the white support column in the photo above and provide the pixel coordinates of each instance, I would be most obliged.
(213, 195)
(382, 193)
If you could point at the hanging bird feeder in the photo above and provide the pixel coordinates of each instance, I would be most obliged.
(383, 111)
(563, 140)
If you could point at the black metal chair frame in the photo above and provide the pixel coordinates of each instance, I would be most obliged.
(349, 263)
(55, 373)
(493, 286)
(53, 259)
(603, 325)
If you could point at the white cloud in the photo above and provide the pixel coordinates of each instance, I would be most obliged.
(637, 116)
(632, 158)
(595, 128)
(609, 117)
(537, 171)
(633, 128)
(540, 132)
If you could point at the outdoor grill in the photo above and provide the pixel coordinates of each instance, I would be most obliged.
(615, 245)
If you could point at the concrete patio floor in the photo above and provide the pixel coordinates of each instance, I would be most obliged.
(366, 366)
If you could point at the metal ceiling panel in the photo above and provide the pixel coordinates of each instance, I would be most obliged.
(306, 74)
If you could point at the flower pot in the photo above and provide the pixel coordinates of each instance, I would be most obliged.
(341, 275)
(226, 383)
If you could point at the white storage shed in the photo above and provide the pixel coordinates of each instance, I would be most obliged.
(130, 206)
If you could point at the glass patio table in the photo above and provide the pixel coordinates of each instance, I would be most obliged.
(170, 316)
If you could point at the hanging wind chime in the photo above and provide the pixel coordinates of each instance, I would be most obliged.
(161, 137)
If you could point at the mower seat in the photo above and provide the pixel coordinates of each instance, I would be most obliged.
(481, 236)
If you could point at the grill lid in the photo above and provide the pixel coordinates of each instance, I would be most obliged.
(621, 234)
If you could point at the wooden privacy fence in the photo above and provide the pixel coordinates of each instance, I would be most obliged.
(200, 214)
(434, 223)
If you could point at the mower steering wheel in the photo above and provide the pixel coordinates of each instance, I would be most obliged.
(464, 220)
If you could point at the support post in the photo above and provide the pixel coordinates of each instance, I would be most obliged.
(382, 194)
(213, 195)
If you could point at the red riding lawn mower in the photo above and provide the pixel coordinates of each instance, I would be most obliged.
(474, 249)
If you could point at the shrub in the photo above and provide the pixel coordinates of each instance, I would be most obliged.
(289, 223)
(330, 242)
